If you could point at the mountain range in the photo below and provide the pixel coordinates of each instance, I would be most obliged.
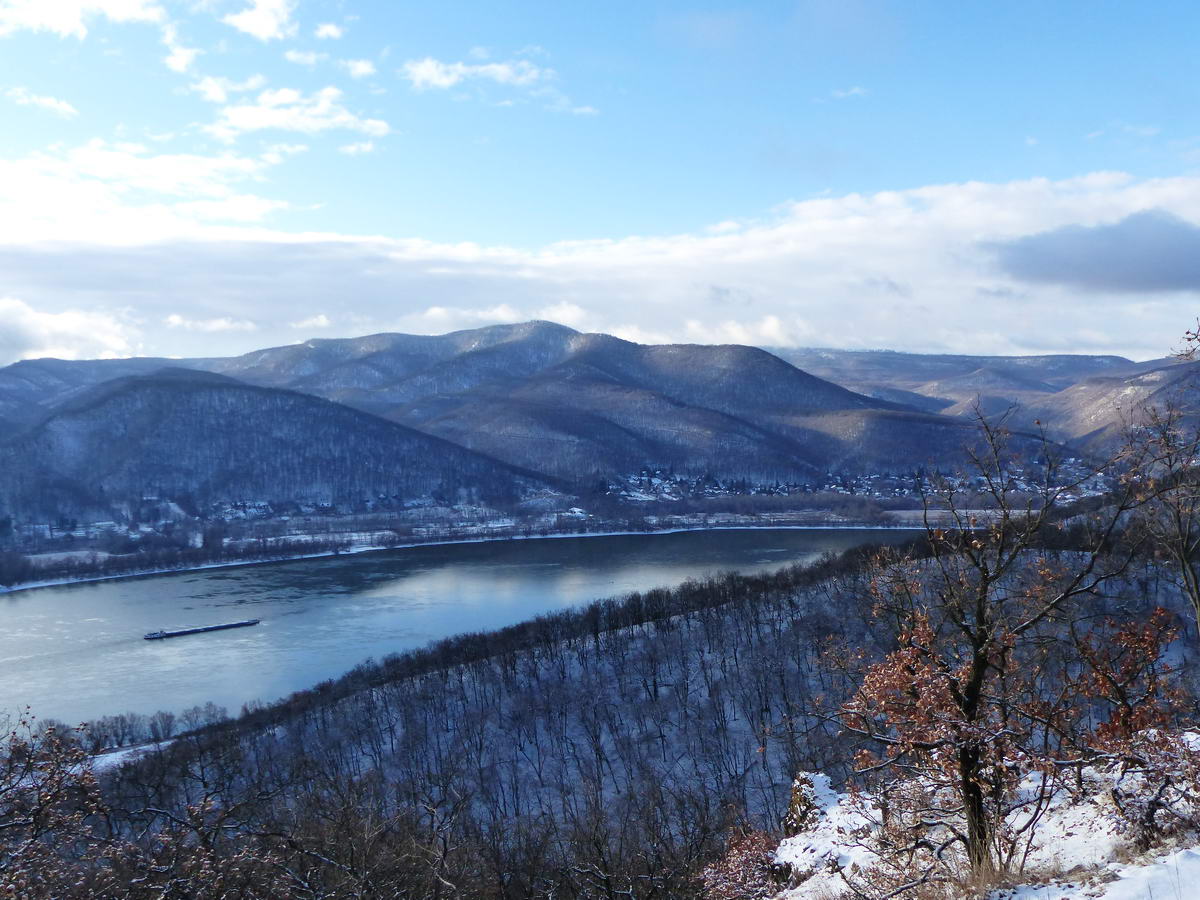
(498, 411)
(1079, 400)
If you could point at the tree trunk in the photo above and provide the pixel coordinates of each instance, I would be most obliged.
(979, 837)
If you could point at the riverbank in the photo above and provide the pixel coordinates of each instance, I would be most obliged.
(366, 547)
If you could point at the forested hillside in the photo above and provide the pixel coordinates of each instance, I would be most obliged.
(577, 405)
(571, 406)
(196, 439)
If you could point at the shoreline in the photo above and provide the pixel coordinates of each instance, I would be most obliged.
(450, 541)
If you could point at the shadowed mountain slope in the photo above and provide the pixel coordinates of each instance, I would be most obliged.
(948, 378)
(1094, 412)
(545, 397)
(202, 438)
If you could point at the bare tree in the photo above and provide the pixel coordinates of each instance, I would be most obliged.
(960, 705)
(1163, 447)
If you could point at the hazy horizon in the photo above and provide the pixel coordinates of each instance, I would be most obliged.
(767, 347)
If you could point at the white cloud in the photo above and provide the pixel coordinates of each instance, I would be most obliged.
(640, 335)
(769, 331)
(848, 93)
(119, 192)
(536, 81)
(23, 97)
(305, 57)
(217, 89)
(68, 18)
(237, 208)
(357, 149)
(266, 20)
(556, 101)
(285, 109)
(179, 175)
(358, 68)
(565, 313)
(449, 318)
(328, 31)
(29, 333)
(179, 58)
(318, 321)
(906, 267)
(277, 153)
(209, 325)
(427, 73)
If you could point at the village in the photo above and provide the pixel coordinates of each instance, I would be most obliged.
(160, 533)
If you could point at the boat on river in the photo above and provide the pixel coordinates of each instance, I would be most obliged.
(180, 632)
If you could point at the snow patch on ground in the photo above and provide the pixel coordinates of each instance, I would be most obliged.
(114, 759)
(1080, 848)
(1175, 876)
(831, 844)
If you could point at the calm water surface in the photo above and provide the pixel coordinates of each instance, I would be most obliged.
(77, 651)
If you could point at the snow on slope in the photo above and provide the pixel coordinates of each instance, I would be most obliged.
(1175, 876)
(1081, 847)
(830, 846)
(114, 759)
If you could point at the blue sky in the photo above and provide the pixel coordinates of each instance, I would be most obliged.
(213, 176)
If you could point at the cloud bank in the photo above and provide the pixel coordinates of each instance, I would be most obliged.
(1101, 264)
(1151, 251)
(27, 333)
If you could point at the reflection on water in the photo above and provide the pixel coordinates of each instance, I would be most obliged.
(76, 652)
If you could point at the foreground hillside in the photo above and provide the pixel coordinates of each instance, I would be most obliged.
(615, 751)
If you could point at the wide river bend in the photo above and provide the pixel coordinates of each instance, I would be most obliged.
(76, 651)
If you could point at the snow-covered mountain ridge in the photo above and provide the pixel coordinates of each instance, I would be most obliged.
(570, 407)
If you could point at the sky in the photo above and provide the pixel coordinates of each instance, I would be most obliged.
(208, 177)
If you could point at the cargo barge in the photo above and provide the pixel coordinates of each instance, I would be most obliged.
(159, 635)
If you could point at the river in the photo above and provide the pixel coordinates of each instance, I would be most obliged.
(74, 652)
